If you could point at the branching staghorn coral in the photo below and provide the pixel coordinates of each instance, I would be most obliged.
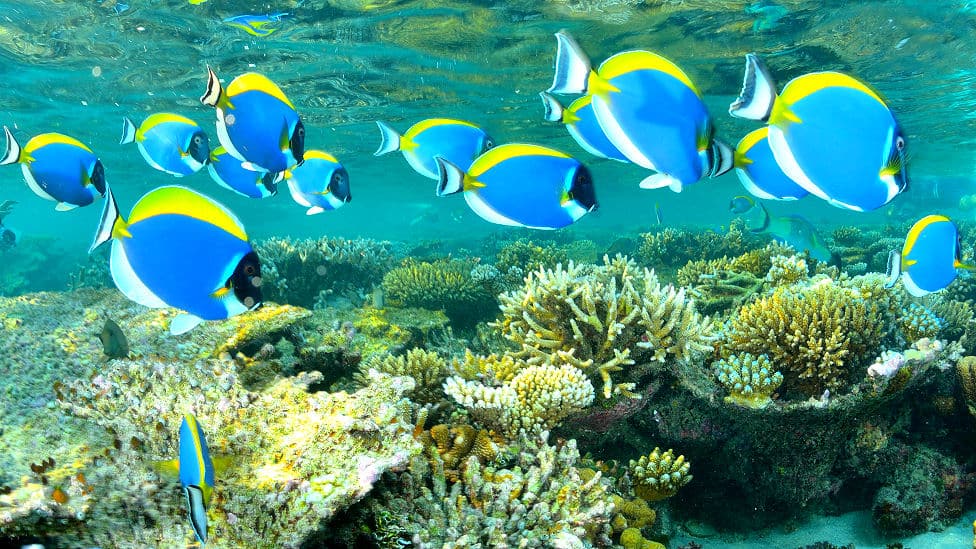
(815, 335)
(916, 322)
(750, 380)
(535, 398)
(659, 475)
(785, 270)
(601, 319)
(540, 501)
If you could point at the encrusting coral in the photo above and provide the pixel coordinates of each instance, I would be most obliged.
(750, 380)
(659, 475)
(816, 335)
(601, 319)
(541, 500)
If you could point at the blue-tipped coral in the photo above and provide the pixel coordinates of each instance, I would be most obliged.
(751, 380)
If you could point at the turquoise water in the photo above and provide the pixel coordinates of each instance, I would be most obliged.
(402, 62)
(78, 67)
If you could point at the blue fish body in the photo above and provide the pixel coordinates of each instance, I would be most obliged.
(830, 133)
(320, 184)
(170, 143)
(181, 249)
(931, 255)
(196, 473)
(256, 122)
(649, 110)
(838, 140)
(587, 132)
(59, 168)
(227, 172)
(655, 119)
(457, 141)
(526, 186)
(758, 171)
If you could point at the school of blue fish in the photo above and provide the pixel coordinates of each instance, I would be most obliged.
(825, 134)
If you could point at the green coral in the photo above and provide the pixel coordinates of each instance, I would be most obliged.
(443, 285)
(539, 501)
(528, 256)
(297, 271)
(659, 475)
(601, 319)
(750, 380)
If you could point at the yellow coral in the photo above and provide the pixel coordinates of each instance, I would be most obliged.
(659, 475)
(426, 368)
(632, 538)
(814, 334)
(601, 319)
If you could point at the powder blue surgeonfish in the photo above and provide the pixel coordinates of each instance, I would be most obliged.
(59, 168)
(523, 186)
(930, 258)
(256, 123)
(181, 249)
(456, 141)
(169, 142)
(228, 172)
(320, 184)
(256, 25)
(581, 122)
(650, 110)
(195, 469)
(758, 171)
(830, 133)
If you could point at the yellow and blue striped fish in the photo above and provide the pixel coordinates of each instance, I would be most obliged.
(196, 474)
(456, 141)
(930, 258)
(169, 143)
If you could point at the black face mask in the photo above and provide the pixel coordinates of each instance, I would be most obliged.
(582, 190)
(199, 148)
(246, 281)
(339, 185)
(298, 143)
(98, 177)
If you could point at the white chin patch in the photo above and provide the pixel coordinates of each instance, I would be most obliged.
(127, 282)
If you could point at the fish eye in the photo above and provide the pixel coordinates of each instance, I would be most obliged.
(198, 140)
(249, 270)
(900, 143)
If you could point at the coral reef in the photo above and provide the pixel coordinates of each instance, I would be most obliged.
(916, 322)
(601, 319)
(427, 369)
(815, 335)
(444, 285)
(750, 380)
(966, 372)
(296, 271)
(296, 457)
(659, 475)
(455, 444)
(539, 501)
(785, 270)
(528, 256)
(668, 249)
(533, 398)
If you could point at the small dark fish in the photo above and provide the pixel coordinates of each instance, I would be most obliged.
(114, 343)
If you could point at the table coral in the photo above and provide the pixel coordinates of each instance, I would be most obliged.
(601, 319)
(659, 475)
(750, 380)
